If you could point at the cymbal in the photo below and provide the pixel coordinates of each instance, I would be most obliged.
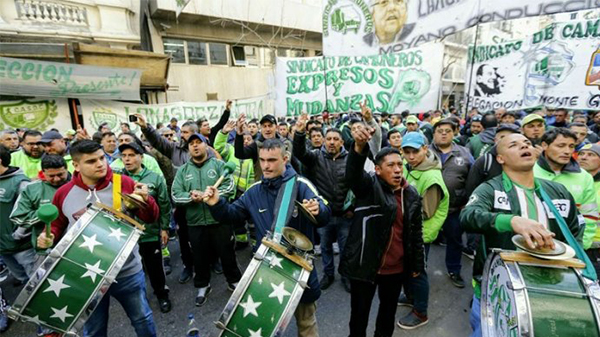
(295, 238)
(133, 201)
(306, 212)
(559, 247)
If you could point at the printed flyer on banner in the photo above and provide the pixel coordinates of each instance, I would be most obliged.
(409, 80)
(35, 113)
(365, 27)
(20, 77)
(98, 112)
(558, 66)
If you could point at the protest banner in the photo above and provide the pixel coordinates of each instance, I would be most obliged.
(558, 66)
(409, 80)
(366, 27)
(20, 77)
(97, 112)
(35, 113)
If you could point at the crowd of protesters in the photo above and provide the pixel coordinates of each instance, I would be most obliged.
(382, 187)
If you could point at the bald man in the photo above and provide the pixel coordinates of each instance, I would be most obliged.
(494, 210)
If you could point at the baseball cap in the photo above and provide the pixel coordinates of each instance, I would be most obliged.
(70, 132)
(197, 136)
(268, 118)
(412, 119)
(49, 136)
(592, 147)
(531, 118)
(508, 127)
(414, 140)
(133, 145)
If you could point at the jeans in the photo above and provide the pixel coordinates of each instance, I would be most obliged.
(388, 288)
(130, 291)
(475, 317)
(337, 229)
(22, 264)
(453, 234)
(417, 288)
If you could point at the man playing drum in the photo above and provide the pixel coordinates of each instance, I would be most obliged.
(258, 204)
(93, 181)
(513, 203)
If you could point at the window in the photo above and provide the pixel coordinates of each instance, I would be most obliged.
(197, 52)
(218, 54)
(269, 57)
(251, 55)
(239, 56)
(176, 49)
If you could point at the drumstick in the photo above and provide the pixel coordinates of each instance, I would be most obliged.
(227, 169)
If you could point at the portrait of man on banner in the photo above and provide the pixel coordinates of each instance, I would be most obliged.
(488, 82)
(389, 20)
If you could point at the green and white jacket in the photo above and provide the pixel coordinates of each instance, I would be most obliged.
(581, 185)
(157, 188)
(24, 214)
(494, 203)
(12, 182)
(192, 176)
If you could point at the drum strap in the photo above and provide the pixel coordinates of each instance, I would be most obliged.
(284, 206)
(589, 271)
(116, 191)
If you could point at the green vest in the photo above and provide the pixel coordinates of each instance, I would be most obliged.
(9, 191)
(30, 166)
(422, 180)
(243, 176)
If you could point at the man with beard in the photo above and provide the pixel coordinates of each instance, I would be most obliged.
(533, 127)
(488, 83)
(510, 204)
(209, 238)
(258, 204)
(38, 193)
(29, 159)
(389, 19)
(10, 139)
(326, 167)
(556, 164)
(94, 181)
(54, 143)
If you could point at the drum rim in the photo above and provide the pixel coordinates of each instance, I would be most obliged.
(243, 285)
(522, 304)
(55, 257)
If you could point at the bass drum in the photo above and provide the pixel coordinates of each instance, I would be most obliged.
(537, 298)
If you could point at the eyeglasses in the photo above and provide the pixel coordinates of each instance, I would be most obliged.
(168, 135)
(443, 131)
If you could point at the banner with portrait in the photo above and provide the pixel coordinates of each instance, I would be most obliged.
(557, 67)
(366, 27)
(114, 113)
(409, 80)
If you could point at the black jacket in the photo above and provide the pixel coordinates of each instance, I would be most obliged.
(485, 168)
(455, 170)
(371, 227)
(327, 173)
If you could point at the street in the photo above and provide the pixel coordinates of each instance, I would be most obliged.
(448, 305)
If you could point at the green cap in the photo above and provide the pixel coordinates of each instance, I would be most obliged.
(412, 119)
(532, 118)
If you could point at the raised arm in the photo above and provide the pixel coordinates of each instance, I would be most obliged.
(157, 141)
(221, 123)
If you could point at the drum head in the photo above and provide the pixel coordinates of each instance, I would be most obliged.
(296, 239)
(305, 212)
(559, 247)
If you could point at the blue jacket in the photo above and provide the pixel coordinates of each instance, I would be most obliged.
(258, 204)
